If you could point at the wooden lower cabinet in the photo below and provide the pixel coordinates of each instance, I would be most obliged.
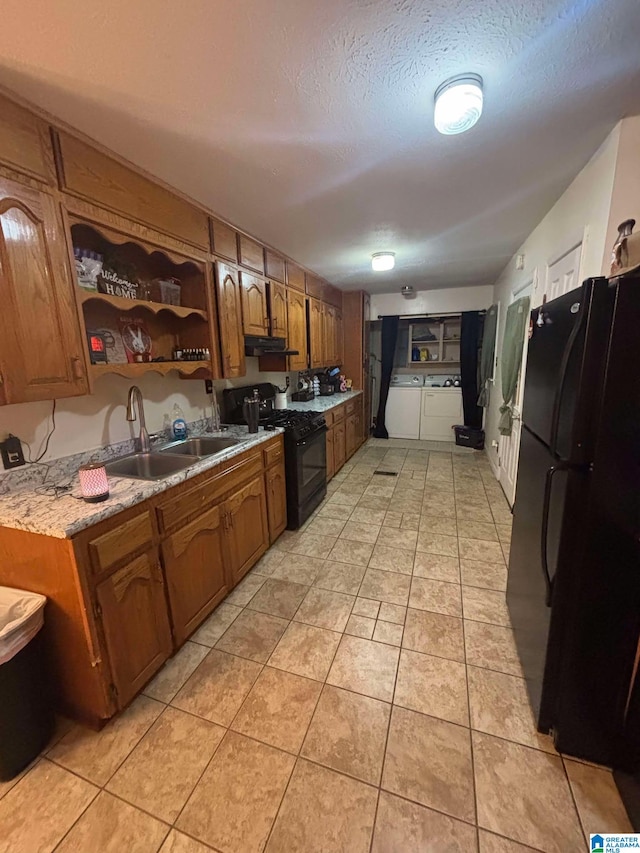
(331, 467)
(276, 500)
(195, 572)
(339, 446)
(133, 612)
(246, 536)
(350, 436)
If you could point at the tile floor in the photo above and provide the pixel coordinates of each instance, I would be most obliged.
(358, 691)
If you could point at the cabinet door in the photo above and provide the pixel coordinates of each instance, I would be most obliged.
(276, 501)
(278, 315)
(135, 624)
(246, 528)
(40, 343)
(194, 568)
(316, 333)
(350, 439)
(330, 454)
(254, 305)
(297, 329)
(339, 447)
(230, 320)
(329, 332)
(339, 336)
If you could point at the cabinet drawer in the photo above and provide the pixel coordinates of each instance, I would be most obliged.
(92, 175)
(352, 406)
(251, 253)
(126, 538)
(339, 414)
(273, 453)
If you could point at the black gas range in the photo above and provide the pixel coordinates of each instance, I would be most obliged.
(305, 454)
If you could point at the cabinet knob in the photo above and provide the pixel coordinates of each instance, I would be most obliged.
(76, 367)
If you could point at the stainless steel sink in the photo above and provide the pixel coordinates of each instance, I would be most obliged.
(149, 466)
(199, 446)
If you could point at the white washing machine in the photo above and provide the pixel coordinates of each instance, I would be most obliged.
(402, 415)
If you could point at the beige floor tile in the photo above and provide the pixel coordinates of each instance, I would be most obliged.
(485, 575)
(410, 521)
(340, 499)
(523, 793)
(97, 755)
(438, 543)
(326, 526)
(111, 826)
(436, 524)
(218, 687)
(314, 795)
(392, 613)
(340, 577)
(332, 510)
(305, 650)
(504, 533)
(163, 769)
(298, 569)
(437, 596)
(271, 560)
(436, 566)
(491, 647)
(490, 843)
(388, 632)
(339, 738)
(429, 761)
(392, 519)
(433, 686)
(362, 515)
(278, 709)
(253, 635)
(7, 785)
(237, 799)
(365, 667)
(500, 706)
(479, 530)
(359, 531)
(466, 511)
(485, 605)
(434, 634)
(178, 842)
(366, 607)
(214, 627)
(245, 590)
(478, 549)
(325, 609)
(374, 502)
(386, 586)
(347, 551)
(175, 672)
(360, 626)
(437, 506)
(403, 827)
(49, 792)
(599, 805)
(404, 538)
(278, 598)
(388, 558)
(381, 489)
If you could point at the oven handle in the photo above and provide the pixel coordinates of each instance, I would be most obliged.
(303, 441)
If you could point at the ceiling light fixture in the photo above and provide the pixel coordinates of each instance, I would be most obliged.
(382, 261)
(458, 103)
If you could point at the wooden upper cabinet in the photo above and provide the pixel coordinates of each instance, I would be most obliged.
(230, 320)
(315, 286)
(25, 142)
(278, 312)
(41, 354)
(224, 240)
(295, 276)
(254, 305)
(316, 334)
(246, 527)
(250, 253)
(330, 338)
(274, 265)
(339, 337)
(332, 295)
(99, 179)
(297, 329)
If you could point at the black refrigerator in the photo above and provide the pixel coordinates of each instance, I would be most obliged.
(573, 588)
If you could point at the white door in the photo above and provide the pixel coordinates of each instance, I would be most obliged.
(509, 446)
(563, 273)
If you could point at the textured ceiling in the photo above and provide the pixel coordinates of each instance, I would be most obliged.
(309, 122)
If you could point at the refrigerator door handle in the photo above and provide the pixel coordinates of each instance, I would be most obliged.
(544, 533)
(564, 365)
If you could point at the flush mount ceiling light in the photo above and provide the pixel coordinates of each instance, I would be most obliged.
(458, 103)
(381, 261)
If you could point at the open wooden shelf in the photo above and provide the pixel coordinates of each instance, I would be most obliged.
(133, 370)
(124, 304)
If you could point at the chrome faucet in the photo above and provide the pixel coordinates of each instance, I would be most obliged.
(144, 443)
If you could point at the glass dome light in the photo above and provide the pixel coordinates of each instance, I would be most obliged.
(458, 103)
(382, 261)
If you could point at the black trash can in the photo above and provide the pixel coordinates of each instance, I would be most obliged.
(26, 712)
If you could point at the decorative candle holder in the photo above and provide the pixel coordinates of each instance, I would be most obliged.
(94, 484)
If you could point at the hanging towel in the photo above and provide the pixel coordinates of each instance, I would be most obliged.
(487, 354)
(511, 359)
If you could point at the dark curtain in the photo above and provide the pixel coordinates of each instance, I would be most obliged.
(389, 339)
(470, 337)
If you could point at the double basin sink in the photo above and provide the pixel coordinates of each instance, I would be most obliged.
(169, 459)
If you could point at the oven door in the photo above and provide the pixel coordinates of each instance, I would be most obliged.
(311, 465)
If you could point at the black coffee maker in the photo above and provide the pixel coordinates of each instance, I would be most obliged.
(329, 381)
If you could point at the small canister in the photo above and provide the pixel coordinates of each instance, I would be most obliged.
(94, 484)
(281, 399)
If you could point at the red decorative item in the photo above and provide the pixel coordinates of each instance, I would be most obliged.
(94, 484)
(136, 340)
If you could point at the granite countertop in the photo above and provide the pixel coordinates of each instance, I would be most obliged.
(28, 507)
(323, 404)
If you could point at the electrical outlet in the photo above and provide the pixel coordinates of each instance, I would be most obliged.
(11, 452)
(208, 386)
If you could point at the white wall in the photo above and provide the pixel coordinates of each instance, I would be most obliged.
(86, 423)
(582, 213)
(444, 300)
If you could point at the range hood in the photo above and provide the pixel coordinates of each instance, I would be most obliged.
(255, 345)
